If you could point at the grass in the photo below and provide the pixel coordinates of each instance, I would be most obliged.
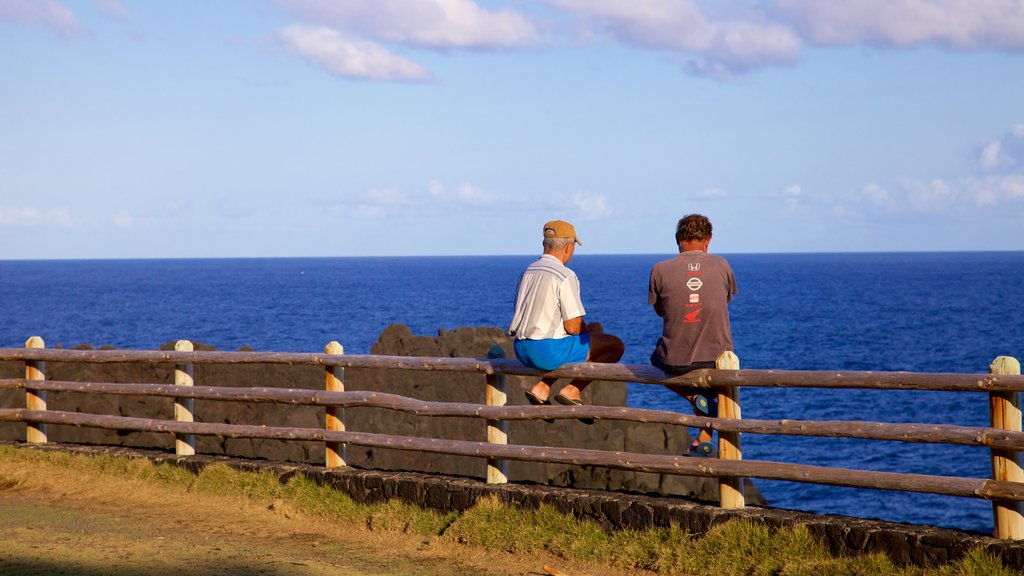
(734, 548)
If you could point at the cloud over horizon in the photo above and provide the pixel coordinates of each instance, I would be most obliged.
(25, 216)
(996, 182)
(437, 197)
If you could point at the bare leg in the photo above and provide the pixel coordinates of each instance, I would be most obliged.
(603, 348)
(542, 389)
(705, 434)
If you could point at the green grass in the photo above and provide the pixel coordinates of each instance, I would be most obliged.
(733, 548)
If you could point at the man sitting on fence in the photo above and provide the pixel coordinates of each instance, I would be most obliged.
(548, 324)
(691, 292)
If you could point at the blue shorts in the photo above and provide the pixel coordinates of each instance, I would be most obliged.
(553, 352)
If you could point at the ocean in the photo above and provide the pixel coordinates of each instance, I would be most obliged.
(923, 312)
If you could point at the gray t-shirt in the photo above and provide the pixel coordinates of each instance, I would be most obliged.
(691, 293)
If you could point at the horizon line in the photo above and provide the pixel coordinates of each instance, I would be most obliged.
(504, 255)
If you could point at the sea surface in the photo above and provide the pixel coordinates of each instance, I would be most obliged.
(924, 312)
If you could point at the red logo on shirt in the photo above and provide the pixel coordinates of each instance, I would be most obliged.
(692, 317)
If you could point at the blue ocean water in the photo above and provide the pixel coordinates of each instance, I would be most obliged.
(927, 312)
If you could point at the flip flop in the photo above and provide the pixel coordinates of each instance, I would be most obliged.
(702, 450)
(563, 399)
(706, 407)
(536, 401)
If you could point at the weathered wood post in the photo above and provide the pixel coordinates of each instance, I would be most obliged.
(335, 416)
(1004, 411)
(730, 488)
(35, 433)
(497, 430)
(184, 444)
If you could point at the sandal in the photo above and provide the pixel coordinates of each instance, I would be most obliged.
(706, 407)
(702, 450)
(536, 401)
(563, 399)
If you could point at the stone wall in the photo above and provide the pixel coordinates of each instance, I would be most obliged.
(471, 342)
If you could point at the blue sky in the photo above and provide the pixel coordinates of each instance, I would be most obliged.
(137, 129)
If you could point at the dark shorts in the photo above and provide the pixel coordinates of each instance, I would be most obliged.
(674, 370)
(553, 352)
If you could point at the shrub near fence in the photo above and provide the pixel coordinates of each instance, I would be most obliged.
(1003, 384)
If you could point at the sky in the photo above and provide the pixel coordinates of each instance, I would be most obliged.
(294, 128)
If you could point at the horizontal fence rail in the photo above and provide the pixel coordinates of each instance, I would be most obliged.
(911, 433)
(704, 378)
(1003, 385)
(710, 467)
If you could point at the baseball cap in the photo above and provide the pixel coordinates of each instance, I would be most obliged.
(561, 229)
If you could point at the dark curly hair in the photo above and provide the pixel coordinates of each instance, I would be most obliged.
(693, 227)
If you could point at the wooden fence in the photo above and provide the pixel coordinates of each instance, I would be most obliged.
(1003, 385)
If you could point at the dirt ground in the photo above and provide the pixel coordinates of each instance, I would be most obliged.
(100, 526)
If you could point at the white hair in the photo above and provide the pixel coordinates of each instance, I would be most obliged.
(556, 243)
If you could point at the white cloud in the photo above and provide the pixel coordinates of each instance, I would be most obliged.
(932, 195)
(586, 206)
(425, 23)
(722, 39)
(438, 198)
(16, 216)
(714, 39)
(960, 24)
(710, 48)
(1006, 152)
(876, 194)
(996, 190)
(375, 203)
(711, 194)
(792, 195)
(660, 24)
(125, 220)
(997, 182)
(45, 13)
(340, 56)
(464, 193)
(990, 154)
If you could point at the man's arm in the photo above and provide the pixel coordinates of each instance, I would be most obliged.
(654, 297)
(574, 325)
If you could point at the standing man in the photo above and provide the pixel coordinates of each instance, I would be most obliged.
(691, 293)
(548, 324)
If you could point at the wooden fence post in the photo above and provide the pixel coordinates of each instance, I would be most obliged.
(1004, 411)
(35, 433)
(184, 444)
(497, 430)
(730, 488)
(335, 416)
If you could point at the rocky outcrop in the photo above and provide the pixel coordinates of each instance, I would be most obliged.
(472, 342)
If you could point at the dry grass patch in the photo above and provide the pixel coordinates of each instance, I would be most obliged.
(488, 529)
